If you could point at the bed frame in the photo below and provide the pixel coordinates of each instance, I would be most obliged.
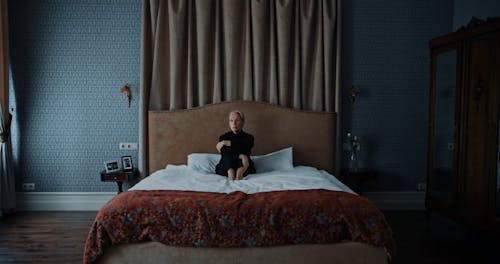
(175, 134)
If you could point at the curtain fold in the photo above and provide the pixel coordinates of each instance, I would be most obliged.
(7, 183)
(200, 52)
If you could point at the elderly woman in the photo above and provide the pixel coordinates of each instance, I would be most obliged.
(235, 147)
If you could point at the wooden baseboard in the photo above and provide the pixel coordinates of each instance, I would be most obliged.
(397, 200)
(62, 201)
(92, 201)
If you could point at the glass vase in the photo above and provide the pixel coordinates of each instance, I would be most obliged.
(353, 161)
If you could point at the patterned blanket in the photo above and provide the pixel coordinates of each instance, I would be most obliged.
(202, 219)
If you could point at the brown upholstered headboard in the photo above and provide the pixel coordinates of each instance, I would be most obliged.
(175, 134)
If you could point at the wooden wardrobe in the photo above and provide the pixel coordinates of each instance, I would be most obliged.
(463, 178)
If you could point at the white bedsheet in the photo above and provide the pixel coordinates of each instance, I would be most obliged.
(180, 177)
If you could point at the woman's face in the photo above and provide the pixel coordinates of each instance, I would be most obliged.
(235, 122)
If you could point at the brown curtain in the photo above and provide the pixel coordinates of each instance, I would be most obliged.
(4, 58)
(7, 184)
(208, 51)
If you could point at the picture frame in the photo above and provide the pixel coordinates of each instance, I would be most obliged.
(111, 166)
(127, 163)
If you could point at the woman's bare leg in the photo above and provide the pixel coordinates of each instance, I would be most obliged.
(239, 173)
(230, 174)
(241, 170)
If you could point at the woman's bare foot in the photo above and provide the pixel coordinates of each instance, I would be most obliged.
(239, 173)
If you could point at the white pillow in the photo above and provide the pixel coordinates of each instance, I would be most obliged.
(278, 160)
(203, 162)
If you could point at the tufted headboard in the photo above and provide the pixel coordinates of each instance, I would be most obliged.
(175, 134)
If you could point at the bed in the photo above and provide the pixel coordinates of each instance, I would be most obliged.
(295, 211)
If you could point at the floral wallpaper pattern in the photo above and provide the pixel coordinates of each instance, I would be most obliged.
(69, 59)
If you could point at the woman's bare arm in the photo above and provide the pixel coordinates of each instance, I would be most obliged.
(222, 144)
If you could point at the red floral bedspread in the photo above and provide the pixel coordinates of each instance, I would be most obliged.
(199, 219)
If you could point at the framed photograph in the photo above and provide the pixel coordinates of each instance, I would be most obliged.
(127, 163)
(111, 166)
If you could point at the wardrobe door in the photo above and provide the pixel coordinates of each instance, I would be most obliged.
(441, 180)
(481, 119)
(495, 127)
(496, 198)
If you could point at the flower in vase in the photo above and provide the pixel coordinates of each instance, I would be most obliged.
(351, 147)
(351, 144)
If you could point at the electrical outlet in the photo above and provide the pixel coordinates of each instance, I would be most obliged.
(421, 186)
(29, 186)
(128, 146)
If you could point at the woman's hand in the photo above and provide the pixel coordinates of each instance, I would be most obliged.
(222, 144)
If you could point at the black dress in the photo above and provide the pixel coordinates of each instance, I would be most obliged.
(241, 143)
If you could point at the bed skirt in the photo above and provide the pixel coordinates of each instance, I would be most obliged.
(155, 252)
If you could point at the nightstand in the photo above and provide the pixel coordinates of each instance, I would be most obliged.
(119, 177)
(356, 179)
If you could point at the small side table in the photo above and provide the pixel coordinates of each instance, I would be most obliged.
(119, 177)
(356, 179)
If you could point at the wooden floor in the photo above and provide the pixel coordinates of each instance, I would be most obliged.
(443, 242)
(44, 237)
(59, 237)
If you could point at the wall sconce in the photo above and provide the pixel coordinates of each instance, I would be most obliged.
(351, 96)
(126, 90)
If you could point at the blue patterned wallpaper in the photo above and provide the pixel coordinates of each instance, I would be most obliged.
(386, 57)
(69, 59)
